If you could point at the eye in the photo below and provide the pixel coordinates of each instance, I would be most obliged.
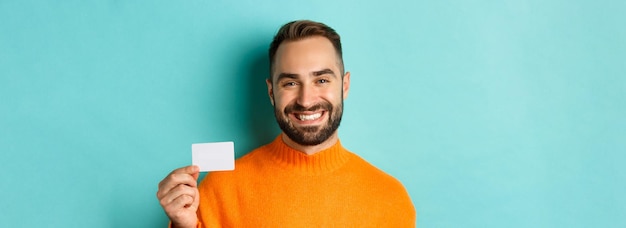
(322, 81)
(289, 84)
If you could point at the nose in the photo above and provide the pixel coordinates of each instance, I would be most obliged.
(306, 96)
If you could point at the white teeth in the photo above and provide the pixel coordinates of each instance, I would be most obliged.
(310, 117)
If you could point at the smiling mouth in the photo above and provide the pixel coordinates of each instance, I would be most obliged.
(309, 117)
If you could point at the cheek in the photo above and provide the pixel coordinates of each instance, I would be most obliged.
(334, 95)
(280, 102)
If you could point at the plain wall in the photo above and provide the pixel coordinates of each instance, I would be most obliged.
(492, 113)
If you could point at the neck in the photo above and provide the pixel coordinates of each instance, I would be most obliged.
(311, 150)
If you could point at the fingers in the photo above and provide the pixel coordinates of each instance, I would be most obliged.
(178, 195)
(186, 176)
(181, 207)
(190, 170)
(187, 169)
(196, 199)
(181, 196)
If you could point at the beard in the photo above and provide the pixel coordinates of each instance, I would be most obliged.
(309, 135)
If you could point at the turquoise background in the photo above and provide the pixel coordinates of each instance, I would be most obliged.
(492, 113)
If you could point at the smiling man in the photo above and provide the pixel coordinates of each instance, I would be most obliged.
(305, 177)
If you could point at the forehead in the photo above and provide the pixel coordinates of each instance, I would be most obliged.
(305, 56)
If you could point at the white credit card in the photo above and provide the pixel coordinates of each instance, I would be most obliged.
(218, 156)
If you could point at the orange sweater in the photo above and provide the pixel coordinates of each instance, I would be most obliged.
(277, 186)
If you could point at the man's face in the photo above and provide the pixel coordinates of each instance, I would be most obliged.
(308, 90)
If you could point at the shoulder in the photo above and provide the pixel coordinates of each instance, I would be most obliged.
(378, 182)
(374, 173)
(382, 187)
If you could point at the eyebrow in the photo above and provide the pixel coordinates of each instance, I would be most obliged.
(282, 76)
(323, 72)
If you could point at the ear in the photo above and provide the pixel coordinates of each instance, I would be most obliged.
(346, 85)
(270, 90)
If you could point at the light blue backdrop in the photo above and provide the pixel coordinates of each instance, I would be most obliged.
(492, 113)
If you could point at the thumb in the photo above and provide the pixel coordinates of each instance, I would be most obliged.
(194, 170)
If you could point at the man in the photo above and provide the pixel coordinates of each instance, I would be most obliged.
(304, 177)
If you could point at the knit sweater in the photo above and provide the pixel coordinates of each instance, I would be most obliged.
(277, 186)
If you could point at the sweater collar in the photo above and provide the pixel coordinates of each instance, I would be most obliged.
(324, 161)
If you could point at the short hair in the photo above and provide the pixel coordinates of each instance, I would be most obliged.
(301, 29)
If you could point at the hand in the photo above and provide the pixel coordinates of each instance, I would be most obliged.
(179, 196)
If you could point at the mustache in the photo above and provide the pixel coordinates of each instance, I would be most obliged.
(299, 108)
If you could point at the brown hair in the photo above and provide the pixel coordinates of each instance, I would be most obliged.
(298, 30)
